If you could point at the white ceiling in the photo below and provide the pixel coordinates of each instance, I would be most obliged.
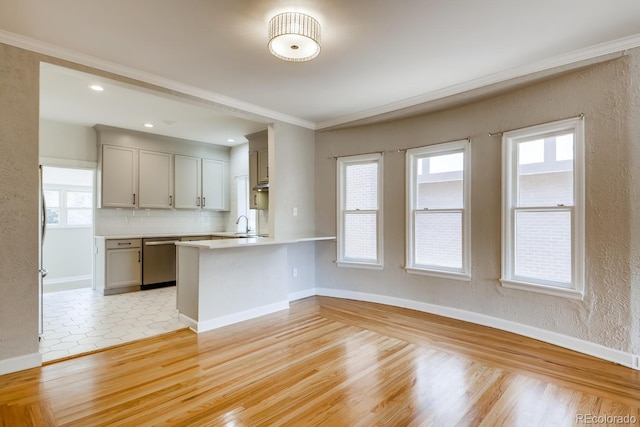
(377, 55)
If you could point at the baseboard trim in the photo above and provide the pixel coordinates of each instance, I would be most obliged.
(20, 363)
(565, 341)
(67, 283)
(189, 322)
(302, 294)
(219, 322)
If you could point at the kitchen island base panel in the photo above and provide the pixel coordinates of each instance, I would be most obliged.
(217, 287)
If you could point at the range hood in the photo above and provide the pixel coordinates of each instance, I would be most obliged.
(264, 186)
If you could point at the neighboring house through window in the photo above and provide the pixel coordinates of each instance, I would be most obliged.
(543, 209)
(360, 211)
(438, 220)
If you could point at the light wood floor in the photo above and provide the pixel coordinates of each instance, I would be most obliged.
(326, 362)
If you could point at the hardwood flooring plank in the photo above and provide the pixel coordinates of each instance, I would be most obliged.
(325, 362)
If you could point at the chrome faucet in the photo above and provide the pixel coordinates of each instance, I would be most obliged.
(246, 230)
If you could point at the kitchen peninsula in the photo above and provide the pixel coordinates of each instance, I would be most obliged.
(220, 282)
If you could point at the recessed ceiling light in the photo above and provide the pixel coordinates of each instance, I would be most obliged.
(231, 140)
(97, 88)
(148, 125)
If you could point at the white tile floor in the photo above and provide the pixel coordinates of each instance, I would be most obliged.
(82, 320)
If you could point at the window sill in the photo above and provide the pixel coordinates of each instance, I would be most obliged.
(359, 265)
(543, 289)
(439, 273)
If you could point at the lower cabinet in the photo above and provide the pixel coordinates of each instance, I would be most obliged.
(118, 265)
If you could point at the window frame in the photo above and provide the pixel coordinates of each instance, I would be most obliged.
(341, 165)
(411, 160)
(577, 211)
(62, 190)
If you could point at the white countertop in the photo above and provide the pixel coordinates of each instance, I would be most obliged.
(176, 235)
(251, 241)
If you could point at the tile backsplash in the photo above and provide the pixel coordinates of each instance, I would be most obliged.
(121, 221)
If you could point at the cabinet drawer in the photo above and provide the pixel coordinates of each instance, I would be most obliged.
(123, 243)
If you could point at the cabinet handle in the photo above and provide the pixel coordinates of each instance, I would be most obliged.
(134, 198)
(170, 200)
(124, 243)
(203, 201)
(255, 200)
(197, 201)
(139, 256)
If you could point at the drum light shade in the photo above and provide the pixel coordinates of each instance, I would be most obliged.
(294, 37)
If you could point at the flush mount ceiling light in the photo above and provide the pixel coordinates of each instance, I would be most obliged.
(294, 37)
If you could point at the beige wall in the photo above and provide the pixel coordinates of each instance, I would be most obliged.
(19, 74)
(602, 92)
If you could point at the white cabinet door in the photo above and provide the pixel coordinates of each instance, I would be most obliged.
(123, 268)
(119, 177)
(155, 182)
(215, 185)
(187, 178)
(263, 166)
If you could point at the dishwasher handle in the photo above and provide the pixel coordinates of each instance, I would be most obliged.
(161, 242)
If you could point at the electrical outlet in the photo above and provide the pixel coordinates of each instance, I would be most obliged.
(294, 272)
(295, 211)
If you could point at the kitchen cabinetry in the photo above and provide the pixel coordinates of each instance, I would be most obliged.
(263, 166)
(119, 177)
(201, 183)
(133, 178)
(139, 170)
(188, 180)
(118, 265)
(215, 185)
(257, 199)
(155, 180)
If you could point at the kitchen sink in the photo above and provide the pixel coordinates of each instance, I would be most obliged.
(247, 235)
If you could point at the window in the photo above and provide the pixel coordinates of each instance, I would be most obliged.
(360, 211)
(68, 195)
(543, 209)
(438, 220)
(242, 202)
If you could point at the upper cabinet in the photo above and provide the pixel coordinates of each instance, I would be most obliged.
(215, 185)
(176, 175)
(201, 183)
(119, 177)
(188, 179)
(263, 166)
(155, 180)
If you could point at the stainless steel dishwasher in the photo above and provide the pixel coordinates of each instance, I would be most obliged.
(158, 262)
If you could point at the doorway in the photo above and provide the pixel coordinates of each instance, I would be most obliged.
(67, 246)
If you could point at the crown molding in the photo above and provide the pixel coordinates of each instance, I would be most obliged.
(238, 106)
(229, 103)
(535, 67)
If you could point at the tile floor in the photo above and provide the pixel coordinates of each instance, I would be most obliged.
(82, 320)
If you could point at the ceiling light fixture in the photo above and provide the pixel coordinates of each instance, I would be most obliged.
(97, 88)
(148, 125)
(294, 37)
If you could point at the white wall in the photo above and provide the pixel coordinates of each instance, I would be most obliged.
(68, 255)
(66, 141)
(291, 180)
